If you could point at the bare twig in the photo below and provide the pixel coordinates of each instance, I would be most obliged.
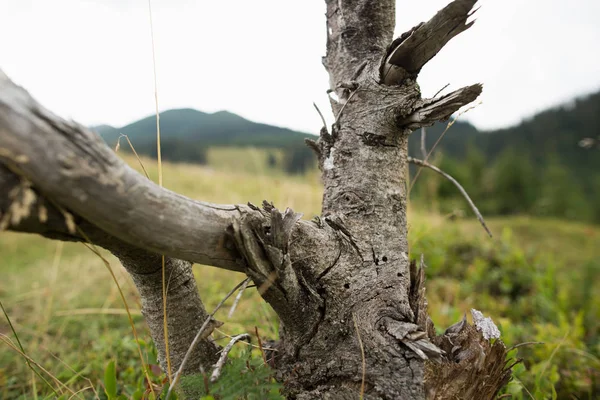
(441, 90)
(134, 152)
(516, 346)
(199, 336)
(320, 115)
(337, 118)
(226, 335)
(437, 142)
(260, 345)
(237, 299)
(219, 365)
(422, 163)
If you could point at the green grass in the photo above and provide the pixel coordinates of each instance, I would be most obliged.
(536, 278)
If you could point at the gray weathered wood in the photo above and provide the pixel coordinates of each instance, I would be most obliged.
(352, 308)
(72, 166)
(411, 51)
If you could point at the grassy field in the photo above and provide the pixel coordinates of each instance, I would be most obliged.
(538, 279)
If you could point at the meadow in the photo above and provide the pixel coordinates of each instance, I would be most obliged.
(537, 278)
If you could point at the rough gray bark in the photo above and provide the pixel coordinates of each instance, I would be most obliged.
(185, 310)
(342, 283)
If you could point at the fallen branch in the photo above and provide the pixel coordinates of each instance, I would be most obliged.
(422, 163)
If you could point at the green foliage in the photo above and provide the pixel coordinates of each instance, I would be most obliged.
(298, 159)
(514, 183)
(130, 383)
(187, 136)
(244, 377)
(110, 380)
(531, 296)
(511, 185)
(173, 149)
(534, 168)
(561, 196)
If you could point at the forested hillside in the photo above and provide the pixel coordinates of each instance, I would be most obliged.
(536, 167)
(186, 134)
(549, 137)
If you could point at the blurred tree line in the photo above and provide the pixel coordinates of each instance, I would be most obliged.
(540, 167)
(297, 158)
(511, 184)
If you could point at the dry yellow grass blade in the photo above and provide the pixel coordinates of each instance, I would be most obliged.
(134, 152)
(95, 311)
(160, 183)
(95, 250)
(30, 360)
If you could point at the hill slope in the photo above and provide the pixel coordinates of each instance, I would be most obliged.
(553, 133)
(540, 150)
(556, 131)
(196, 127)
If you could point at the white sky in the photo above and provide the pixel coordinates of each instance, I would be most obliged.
(91, 60)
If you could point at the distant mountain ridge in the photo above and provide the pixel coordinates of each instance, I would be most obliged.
(195, 127)
(549, 136)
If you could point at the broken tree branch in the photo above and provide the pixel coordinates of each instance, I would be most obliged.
(422, 163)
(40, 216)
(433, 110)
(409, 53)
(71, 166)
(238, 298)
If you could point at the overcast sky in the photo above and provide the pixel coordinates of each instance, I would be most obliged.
(91, 60)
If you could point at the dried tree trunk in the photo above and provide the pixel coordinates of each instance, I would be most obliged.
(352, 308)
